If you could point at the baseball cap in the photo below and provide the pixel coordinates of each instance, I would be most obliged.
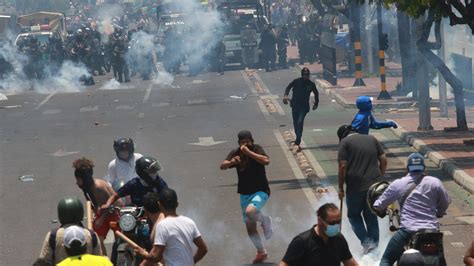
(74, 233)
(415, 162)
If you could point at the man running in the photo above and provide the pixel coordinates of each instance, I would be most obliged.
(98, 192)
(250, 160)
(302, 88)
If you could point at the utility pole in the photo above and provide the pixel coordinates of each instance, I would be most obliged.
(355, 36)
(383, 45)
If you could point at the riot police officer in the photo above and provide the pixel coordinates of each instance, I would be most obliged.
(268, 47)
(282, 43)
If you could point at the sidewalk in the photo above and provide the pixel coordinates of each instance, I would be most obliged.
(447, 150)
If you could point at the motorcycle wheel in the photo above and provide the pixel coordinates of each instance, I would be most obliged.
(124, 258)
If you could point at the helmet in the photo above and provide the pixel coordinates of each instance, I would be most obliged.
(305, 71)
(124, 144)
(146, 167)
(415, 162)
(70, 210)
(343, 131)
(375, 191)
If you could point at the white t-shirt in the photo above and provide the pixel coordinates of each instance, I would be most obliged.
(122, 171)
(177, 234)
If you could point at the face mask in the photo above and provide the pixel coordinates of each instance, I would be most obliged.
(332, 230)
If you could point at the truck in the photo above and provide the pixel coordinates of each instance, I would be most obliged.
(42, 25)
(236, 15)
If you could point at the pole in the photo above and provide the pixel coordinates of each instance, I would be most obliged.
(89, 214)
(355, 34)
(384, 95)
(424, 111)
(443, 95)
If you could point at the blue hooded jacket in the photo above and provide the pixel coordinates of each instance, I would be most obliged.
(364, 120)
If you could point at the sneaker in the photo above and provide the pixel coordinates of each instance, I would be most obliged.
(260, 257)
(267, 227)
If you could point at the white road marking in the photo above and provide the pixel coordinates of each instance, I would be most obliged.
(248, 82)
(124, 107)
(62, 153)
(51, 112)
(264, 86)
(199, 81)
(206, 142)
(197, 101)
(10, 106)
(89, 109)
(265, 112)
(3, 97)
(312, 160)
(45, 100)
(296, 171)
(160, 104)
(278, 106)
(457, 244)
(147, 93)
(141, 115)
(318, 130)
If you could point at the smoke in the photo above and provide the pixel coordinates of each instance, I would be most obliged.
(106, 15)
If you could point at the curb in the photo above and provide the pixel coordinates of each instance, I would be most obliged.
(460, 176)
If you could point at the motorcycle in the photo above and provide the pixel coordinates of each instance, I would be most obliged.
(429, 242)
(133, 225)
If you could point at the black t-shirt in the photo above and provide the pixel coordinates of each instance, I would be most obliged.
(301, 91)
(362, 154)
(309, 249)
(252, 175)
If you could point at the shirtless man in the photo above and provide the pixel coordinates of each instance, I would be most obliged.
(96, 191)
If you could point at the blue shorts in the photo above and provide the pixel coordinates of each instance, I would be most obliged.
(256, 200)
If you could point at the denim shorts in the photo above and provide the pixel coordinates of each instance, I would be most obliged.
(256, 200)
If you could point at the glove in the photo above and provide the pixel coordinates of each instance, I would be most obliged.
(393, 124)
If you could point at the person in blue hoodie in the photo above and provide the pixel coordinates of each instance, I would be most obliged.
(364, 120)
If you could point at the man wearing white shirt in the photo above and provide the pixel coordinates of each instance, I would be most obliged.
(122, 169)
(174, 236)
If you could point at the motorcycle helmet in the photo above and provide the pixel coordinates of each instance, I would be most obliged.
(124, 144)
(70, 210)
(375, 191)
(416, 163)
(147, 168)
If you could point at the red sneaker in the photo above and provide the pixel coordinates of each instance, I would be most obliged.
(260, 257)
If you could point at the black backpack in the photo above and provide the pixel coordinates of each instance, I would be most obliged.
(52, 240)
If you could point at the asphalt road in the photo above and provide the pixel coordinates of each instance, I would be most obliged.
(42, 134)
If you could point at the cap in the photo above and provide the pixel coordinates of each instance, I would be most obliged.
(245, 134)
(415, 162)
(74, 233)
(412, 257)
(343, 131)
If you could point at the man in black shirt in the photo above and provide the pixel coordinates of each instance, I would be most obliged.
(362, 162)
(323, 244)
(250, 160)
(302, 88)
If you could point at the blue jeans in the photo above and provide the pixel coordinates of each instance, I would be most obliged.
(298, 120)
(395, 247)
(357, 208)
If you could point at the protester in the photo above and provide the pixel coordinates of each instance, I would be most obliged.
(122, 169)
(70, 212)
(152, 211)
(174, 237)
(75, 244)
(98, 192)
(302, 88)
(323, 244)
(249, 160)
(362, 162)
(364, 120)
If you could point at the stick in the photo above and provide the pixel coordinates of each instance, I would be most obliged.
(89, 214)
(340, 209)
(126, 239)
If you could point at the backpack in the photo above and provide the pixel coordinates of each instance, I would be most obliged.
(52, 240)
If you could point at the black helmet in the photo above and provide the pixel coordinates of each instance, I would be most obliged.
(146, 167)
(343, 131)
(305, 71)
(70, 210)
(375, 191)
(124, 144)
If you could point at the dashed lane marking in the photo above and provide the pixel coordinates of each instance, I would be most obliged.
(160, 104)
(89, 109)
(312, 160)
(51, 112)
(45, 100)
(248, 82)
(260, 81)
(124, 107)
(147, 93)
(197, 101)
